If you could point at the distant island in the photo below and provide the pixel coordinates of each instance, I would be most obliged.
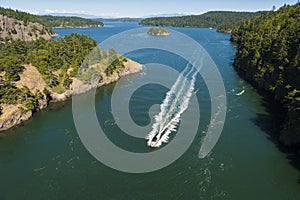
(69, 22)
(158, 31)
(222, 20)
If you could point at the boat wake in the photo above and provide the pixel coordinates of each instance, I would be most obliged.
(175, 103)
(240, 93)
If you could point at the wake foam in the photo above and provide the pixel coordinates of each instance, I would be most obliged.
(175, 103)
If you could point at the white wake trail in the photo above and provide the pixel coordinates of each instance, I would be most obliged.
(166, 103)
(174, 104)
(168, 109)
(173, 123)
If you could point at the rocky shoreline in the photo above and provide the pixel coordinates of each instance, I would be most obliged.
(16, 116)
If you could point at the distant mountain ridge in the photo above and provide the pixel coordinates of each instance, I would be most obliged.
(125, 19)
(81, 15)
(166, 15)
(92, 16)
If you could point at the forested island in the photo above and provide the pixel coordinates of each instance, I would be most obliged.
(69, 22)
(222, 20)
(158, 31)
(35, 70)
(268, 55)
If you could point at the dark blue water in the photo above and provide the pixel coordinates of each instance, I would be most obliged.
(44, 159)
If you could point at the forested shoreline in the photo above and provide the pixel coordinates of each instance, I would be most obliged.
(223, 21)
(268, 55)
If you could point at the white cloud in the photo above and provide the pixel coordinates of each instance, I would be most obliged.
(49, 11)
(108, 14)
(111, 14)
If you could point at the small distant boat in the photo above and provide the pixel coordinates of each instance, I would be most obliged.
(210, 27)
(240, 93)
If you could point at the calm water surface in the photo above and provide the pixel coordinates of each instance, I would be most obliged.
(44, 159)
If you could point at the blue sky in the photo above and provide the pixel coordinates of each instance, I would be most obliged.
(138, 8)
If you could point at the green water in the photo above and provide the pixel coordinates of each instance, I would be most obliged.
(44, 158)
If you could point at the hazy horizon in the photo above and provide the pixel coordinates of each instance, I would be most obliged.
(138, 9)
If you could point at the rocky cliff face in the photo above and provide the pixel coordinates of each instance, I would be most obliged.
(12, 29)
(14, 119)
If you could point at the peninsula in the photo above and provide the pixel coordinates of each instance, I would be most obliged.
(35, 70)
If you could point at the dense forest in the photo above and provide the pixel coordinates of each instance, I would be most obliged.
(268, 55)
(57, 60)
(215, 19)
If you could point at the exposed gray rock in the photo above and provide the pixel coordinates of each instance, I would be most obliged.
(15, 29)
(42, 104)
(14, 120)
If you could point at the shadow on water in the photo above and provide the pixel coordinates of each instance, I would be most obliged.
(271, 124)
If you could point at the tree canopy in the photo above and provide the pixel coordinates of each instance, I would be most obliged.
(268, 55)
